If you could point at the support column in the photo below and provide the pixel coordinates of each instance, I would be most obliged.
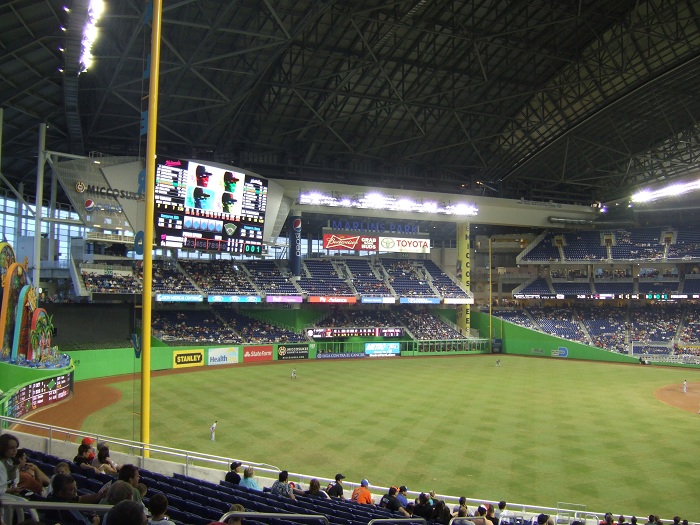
(464, 273)
(41, 161)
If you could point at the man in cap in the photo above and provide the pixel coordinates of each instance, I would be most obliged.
(202, 176)
(227, 202)
(402, 496)
(362, 494)
(200, 196)
(89, 442)
(336, 490)
(233, 476)
(230, 181)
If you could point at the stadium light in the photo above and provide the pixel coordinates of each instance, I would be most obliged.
(674, 190)
(90, 32)
(377, 201)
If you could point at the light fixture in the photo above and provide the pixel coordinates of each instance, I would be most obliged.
(673, 190)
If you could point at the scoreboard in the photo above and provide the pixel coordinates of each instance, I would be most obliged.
(40, 394)
(326, 333)
(208, 208)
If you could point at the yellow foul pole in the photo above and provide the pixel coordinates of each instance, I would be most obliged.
(148, 228)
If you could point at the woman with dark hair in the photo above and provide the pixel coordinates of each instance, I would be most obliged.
(9, 466)
(315, 490)
(103, 462)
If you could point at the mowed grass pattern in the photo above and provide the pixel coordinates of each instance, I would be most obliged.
(534, 431)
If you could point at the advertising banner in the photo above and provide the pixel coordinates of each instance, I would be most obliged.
(257, 353)
(324, 299)
(187, 358)
(295, 245)
(378, 349)
(404, 245)
(379, 300)
(419, 300)
(344, 241)
(289, 352)
(283, 299)
(342, 355)
(223, 356)
(179, 298)
(233, 299)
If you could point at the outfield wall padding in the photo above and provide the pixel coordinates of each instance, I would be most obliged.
(523, 341)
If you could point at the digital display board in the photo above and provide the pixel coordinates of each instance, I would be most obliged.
(603, 296)
(40, 394)
(207, 208)
(325, 333)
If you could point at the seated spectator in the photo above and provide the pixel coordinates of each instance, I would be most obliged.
(391, 502)
(83, 460)
(103, 462)
(9, 470)
(281, 487)
(237, 520)
(402, 497)
(31, 478)
(336, 489)
(65, 490)
(462, 503)
(126, 512)
(248, 479)
(130, 474)
(423, 509)
(233, 476)
(118, 491)
(315, 490)
(442, 514)
(60, 468)
(362, 494)
(158, 506)
(490, 515)
(89, 441)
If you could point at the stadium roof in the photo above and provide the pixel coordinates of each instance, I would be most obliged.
(561, 100)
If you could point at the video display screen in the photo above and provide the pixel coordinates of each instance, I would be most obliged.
(207, 208)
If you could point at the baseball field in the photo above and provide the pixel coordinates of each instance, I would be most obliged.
(617, 438)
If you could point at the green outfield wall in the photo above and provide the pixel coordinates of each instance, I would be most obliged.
(523, 341)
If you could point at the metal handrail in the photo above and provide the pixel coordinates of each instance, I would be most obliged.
(245, 514)
(394, 520)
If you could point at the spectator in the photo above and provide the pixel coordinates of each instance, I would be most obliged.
(118, 491)
(65, 490)
(89, 441)
(362, 494)
(158, 506)
(127, 512)
(83, 460)
(60, 468)
(130, 474)
(248, 479)
(481, 511)
(103, 462)
(281, 487)
(31, 478)
(9, 470)
(402, 496)
(233, 476)
(502, 511)
(462, 503)
(315, 490)
(423, 509)
(336, 490)
(391, 502)
(238, 520)
(441, 513)
(490, 515)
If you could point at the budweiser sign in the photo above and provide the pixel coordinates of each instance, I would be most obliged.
(341, 241)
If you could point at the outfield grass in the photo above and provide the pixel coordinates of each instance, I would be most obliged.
(534, 431)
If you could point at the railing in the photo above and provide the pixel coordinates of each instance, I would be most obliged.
(196, 464)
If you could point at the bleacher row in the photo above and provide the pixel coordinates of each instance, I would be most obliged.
(662, 285)
(613, 328)
(225, 324)
(339, 278)
(195, 501)
(619, 244)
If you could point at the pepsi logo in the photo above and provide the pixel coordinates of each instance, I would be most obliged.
(89, 205)
(296, 225)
